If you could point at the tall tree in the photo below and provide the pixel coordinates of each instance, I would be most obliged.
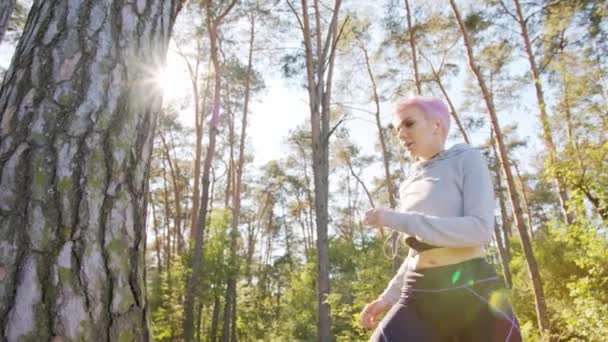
(78, 120)
(412, 41)
(543, 115)
(539, 297)
(238, 179)
(320, 56)
(214, 20)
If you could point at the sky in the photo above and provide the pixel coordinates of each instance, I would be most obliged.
(282, 106)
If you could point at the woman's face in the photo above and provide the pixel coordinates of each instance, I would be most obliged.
(420, 136)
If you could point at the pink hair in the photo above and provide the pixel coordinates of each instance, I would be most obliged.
(433, 107)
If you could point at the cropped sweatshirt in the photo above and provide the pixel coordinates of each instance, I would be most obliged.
(447, 201)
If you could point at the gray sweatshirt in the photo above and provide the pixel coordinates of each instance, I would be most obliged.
(448, 201)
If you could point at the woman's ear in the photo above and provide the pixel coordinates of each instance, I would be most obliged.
(437, 125)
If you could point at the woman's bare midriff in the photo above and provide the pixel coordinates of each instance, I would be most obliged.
(444, 256)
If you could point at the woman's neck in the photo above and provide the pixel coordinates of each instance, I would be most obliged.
(433, 154)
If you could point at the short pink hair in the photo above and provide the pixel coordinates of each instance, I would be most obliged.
(433, 107)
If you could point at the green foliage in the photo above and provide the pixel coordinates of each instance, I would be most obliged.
(166, 302)
(573, 263)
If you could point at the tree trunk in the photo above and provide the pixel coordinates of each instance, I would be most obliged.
(539, 296)
(412, 41)
(196, 193)
(6, 10)
(233, 320)
(177, 206)
(227, 315)
(212, 26)
(544, 117)
(170, 245)
(215, 317)
(505, 222)
(319, 80)
(503, 257)
(388, 179)
(199, 321)
(77, 123)
(524, 192)
(199, 114)
(157, 239)
(502, 241)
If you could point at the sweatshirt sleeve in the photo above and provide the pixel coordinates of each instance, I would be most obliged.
(474, 228)
(393, 291)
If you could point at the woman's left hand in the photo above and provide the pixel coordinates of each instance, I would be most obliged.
(374, 217)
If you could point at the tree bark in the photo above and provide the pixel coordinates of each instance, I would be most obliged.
(215, 317)
(227, 315)
(543, 116)
(212, 26)
(541, 308)
(77, 123)
(6, 10)
(199, 321)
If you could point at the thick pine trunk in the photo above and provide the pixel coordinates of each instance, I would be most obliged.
(6, 10)
(541, 308)
(77, 121)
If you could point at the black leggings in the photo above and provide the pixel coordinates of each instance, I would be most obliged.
(461, 302)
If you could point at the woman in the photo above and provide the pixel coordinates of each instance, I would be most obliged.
(444, 290)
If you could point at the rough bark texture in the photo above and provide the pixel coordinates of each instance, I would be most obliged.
(77, 119)
(544, 117)
(541, 308)
(6, 10)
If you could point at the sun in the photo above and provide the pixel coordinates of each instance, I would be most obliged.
(173, 80)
